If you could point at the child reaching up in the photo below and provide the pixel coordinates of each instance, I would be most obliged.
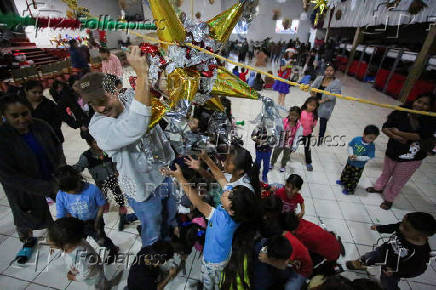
(237, 205)
(79, 199)
(360, 151)
(292, 134)
(238, 170)
(308, 119)
(405, 254)
(290, 195)
(243, 75)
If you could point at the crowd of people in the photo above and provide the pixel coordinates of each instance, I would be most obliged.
(252, 235)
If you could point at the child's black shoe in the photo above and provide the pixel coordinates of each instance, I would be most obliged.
(26, 251)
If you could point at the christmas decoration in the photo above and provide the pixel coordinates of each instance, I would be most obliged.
(103, 40)
(221, 26)
(321, 7)
(417, 6)
(286, 23)
(276, 14)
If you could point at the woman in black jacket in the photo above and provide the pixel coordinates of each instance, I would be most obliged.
(66, 98)
(30, 152)
(47, 110)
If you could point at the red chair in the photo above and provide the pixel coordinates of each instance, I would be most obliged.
(353, 68)
(380, 79)
(395, 85)
(361, 70)
(343, 64)
(419, 88)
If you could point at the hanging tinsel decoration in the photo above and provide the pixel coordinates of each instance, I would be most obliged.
(392, 4)
(321, 7)
(250, 10)
(338, 14)
(417, 6)
(276, 14)
(286, 23)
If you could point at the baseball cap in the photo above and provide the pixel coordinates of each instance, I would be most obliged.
(90, 86)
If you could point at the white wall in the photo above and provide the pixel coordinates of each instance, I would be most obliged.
(263, 26)
(206, 9)
(96, 8)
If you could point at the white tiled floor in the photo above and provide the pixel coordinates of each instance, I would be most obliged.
(349, 216)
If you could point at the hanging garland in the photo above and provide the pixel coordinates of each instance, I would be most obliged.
(12, 20)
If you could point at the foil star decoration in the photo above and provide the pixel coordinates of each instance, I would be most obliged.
(321, 5)
(189, 73)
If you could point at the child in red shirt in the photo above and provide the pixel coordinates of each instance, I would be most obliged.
(243, 75)
(290, 194)
(320, 243)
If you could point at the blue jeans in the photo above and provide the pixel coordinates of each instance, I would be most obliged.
(295, 281)
(169, 208)
(264, 156)
(149, 213)
(211, 274)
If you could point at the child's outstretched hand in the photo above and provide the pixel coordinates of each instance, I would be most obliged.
(352, 157)
(178, 174)
(192, 163)
(71, 276)
(373, 227)
(165, 171)
(203, 155)
(388, 272)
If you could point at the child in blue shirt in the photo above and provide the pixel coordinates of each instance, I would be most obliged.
(238, 205)
(360, 151)
(84, 201)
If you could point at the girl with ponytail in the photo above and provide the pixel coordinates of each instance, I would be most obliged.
(239, 170)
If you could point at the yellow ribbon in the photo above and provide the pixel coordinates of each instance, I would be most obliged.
(300, 86)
